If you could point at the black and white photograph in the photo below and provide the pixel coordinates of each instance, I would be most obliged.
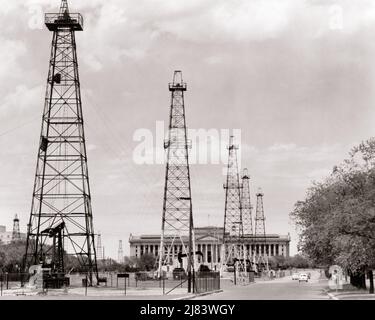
(203, 151)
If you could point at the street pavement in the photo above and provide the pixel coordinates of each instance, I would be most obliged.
(277, 289)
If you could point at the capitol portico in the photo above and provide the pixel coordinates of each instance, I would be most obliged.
(208, 240)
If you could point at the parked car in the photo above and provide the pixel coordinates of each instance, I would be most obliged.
(295, 276)
(303, 277)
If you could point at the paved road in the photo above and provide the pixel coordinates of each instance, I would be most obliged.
(278, 289)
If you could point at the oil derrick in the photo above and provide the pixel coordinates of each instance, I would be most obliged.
(61, 194)
(120, 253)
(177, 220)
(99, 248)
(16, 235)
(260, 232)
(246, 208)
(233, 253)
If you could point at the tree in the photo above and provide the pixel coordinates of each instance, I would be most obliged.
(299, 261)
(337, 218)
(147, 262)
(11, 256)
(277, 262)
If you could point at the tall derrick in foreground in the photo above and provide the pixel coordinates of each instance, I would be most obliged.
(260, 232)
(61, 215)
(177, 219)
(233, 251)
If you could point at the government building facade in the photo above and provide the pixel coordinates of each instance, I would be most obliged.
(208, 240)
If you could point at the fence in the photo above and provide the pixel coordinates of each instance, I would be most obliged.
(272, 274)
(206, 281)
(11, 280)
(111, 283)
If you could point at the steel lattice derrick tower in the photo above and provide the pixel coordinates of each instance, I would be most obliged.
(260, 229)
(177, 221)
(246, 208)
(61, 191)
(16, 235)
(99, 248)
(246, 205)
(233, 247)
(120, 252)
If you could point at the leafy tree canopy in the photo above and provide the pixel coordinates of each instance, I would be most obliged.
(337, 219)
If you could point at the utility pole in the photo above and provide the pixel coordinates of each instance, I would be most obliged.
(61, 193)
(177, 219)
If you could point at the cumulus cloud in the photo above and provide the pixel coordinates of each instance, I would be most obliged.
(282, 147)
(10, 52)
(295, 76)
(21, 100)
(300, 165)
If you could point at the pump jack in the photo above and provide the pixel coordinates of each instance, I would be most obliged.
(55, 278)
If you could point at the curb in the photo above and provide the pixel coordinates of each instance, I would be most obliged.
(198, 295)
(332, 296)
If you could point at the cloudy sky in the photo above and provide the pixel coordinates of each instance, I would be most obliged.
(296, 77)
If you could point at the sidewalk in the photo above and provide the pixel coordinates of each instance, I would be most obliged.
(360, 295)
(92, 293)
(349, 293)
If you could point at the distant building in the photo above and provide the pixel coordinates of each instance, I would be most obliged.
(208, 240)
(6, 236)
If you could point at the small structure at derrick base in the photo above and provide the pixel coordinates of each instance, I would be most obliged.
(233, 248)
(61, 215)
(177, 216)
